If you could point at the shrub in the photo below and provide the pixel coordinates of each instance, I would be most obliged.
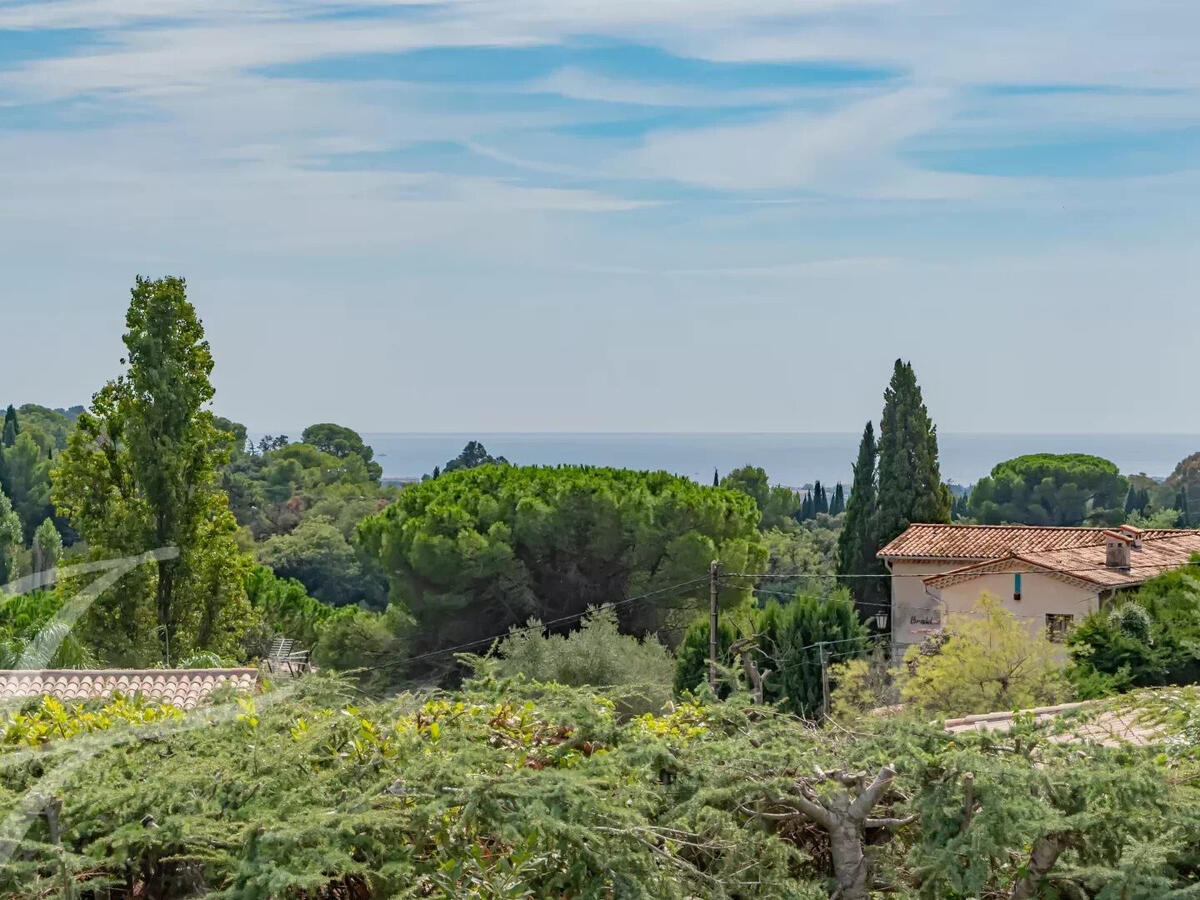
(597, 654)
(990, 662)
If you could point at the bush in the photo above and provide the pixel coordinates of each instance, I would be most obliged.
(1150, 638)
(597, 655)
(989, 662)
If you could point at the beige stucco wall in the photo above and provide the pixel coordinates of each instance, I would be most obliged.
(1040, 595)
(915, 613)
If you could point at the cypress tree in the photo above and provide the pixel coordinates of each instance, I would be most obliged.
(838, 504)
(910, 482)
(820, 500)
(1131, 501)
(856, 543)
(12, 427)
(716, 478)
(1181, 504)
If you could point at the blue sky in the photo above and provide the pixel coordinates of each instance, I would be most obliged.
(633, 216)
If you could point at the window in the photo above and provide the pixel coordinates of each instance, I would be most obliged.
(1058, 626)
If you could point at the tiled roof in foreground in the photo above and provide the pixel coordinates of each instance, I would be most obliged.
(980, 542)
(184, 688)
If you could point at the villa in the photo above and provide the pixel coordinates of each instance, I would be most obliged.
(1050, 577)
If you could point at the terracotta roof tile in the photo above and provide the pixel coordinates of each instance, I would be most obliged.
(1088, 563)
(184, 688)
(980, 542)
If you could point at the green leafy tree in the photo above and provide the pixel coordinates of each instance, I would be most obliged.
(11, 541)
(488, 547)
(283, 607)
(340, 441)
(1148, 638)
(139, 473)
(474, 454)
(858, 542)
(989, 661)
(1052, 489)
(27, 471)
(318, 555)
(909, 482)
(47, 546)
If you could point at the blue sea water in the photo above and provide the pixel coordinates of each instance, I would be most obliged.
(791, 459)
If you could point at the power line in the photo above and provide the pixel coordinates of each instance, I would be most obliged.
(468, 645)
(1049, 569)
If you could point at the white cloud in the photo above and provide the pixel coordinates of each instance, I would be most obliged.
(848, 151)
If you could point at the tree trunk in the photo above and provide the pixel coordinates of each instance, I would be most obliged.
(850, 869)
(1042, 857)
(163, 597)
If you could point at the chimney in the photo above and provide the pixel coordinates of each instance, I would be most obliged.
(1135, 535)
(1116, 549)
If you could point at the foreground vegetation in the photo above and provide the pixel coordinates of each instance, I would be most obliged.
(512, 789)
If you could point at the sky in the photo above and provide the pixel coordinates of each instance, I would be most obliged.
(614, 215)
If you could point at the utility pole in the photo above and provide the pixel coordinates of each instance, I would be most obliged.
(824, 680)
(714, 569)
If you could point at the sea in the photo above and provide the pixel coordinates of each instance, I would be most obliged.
(796, 460)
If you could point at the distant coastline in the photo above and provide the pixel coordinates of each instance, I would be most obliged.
(792, 459)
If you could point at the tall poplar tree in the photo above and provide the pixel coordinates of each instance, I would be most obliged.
(140, 473)
(857, 544)
(910, 487)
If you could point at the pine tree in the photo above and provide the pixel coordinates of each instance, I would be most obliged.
(856, 543)
(910, 481)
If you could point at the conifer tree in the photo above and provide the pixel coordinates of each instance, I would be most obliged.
(12, 427)
(910, 481)
(856, 543)
(837, 505)
(820, 499)
(716, 478)
(1181, 504)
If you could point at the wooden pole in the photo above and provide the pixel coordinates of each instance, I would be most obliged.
(824, 681)
(714, 569)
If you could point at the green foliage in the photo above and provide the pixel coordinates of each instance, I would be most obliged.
(1051, 489)
(139, 474)
(27, 481)
(27, 632)
(356, 638)
(511, 790)
(1150, 637)
(10, 539)
(318, 555)
(989, 661)
(786, 642)
(596, 654)
(909, 485)
(284, 608)
(52, 720)
(481, 549)
(473, 455)
(47, 546)
(342, 442)
(858, 542)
